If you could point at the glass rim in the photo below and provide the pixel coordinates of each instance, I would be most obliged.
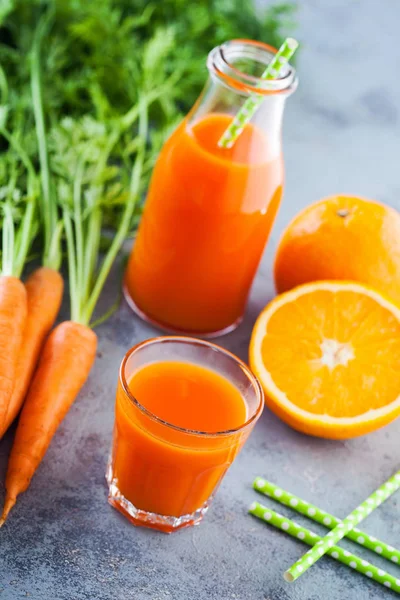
(193, 341)
(219, 64)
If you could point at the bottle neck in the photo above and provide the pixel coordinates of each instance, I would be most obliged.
(240, 64)
(234, 75)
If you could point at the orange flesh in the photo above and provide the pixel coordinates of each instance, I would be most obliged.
(207, 218)
(165, 471)
(365, 373)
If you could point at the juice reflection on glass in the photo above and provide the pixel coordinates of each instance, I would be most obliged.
(209, 210)
(184, 409)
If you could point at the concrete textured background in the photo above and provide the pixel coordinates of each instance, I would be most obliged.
(64, 542)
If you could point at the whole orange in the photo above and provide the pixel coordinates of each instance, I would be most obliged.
(345, 238)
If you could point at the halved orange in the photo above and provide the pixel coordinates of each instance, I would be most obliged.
(328, 357)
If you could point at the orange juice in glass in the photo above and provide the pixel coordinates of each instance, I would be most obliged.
(209, 210)
(184, 409)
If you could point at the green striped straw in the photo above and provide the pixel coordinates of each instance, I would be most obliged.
(342, 529)
(309, 537)
(252, 103)
(324, 518)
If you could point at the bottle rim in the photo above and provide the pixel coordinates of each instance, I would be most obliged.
(220, 64)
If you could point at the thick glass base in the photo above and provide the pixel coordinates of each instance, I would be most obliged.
(165, 327)
(143, 518)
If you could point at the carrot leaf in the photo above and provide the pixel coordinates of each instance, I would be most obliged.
(48, 205)
(81, 152)
(18, 209)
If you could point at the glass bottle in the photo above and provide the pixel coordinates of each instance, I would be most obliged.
(209, 210)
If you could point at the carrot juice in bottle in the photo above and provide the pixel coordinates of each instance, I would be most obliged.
(209, 210)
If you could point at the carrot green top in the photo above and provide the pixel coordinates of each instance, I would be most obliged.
(79, 177)
(51, 225)
(18, 209)
(83, 218)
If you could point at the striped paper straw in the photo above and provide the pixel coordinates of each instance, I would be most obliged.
(320, 516)
(342, 529)
(309, 537)
(248, 109)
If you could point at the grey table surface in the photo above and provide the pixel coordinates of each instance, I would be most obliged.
(64, 542)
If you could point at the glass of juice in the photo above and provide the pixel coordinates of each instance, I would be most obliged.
(209, 210)
(184, 408)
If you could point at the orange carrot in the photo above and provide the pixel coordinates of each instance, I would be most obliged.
(13, 313)
(69, 352)
(65, 363)
(44, 290)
